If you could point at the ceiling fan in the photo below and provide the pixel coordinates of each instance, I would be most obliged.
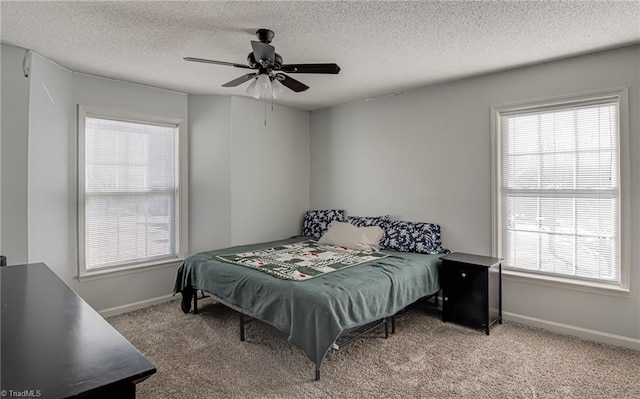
(270, 68)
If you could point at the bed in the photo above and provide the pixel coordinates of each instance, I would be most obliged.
(312, 314)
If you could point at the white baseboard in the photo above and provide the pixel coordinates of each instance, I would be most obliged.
(136, 305)
(584, 333)
(560, 328)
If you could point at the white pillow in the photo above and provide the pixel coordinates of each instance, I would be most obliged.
(347, 235)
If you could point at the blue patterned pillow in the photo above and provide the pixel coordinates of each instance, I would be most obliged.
(316, 222)
(365, 221)
(422, 238)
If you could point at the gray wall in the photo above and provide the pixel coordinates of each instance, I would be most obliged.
(13, 155)
(248, 182)
(269, 171)
(51, 171)
(209, 172)
(425, 155)
(55, 93)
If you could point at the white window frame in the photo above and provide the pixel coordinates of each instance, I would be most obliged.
(181, 215)
(620, 95)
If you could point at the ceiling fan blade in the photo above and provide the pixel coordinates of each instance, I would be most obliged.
(240, 80)
(216, 62)
(291, 83)
(311, 68)
(263, 51)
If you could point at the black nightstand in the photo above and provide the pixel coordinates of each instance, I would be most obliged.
(471, 290)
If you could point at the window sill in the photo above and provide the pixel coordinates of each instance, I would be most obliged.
(563, 283)
(130, 269)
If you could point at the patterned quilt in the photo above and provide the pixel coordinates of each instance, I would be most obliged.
(301, 261)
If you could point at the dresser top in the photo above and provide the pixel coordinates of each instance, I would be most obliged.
(479, 260)
(54, 342)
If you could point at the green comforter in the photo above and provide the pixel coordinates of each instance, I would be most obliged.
(313, 313)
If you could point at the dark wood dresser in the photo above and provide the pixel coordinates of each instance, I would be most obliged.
(54, 345)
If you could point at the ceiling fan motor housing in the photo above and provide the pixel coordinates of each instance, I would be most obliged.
(277, 61)
(265, 35)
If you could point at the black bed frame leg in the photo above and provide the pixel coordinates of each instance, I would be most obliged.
(393, 324)
(195, 302)
(317, 374)
(241, 327)
(386, 327)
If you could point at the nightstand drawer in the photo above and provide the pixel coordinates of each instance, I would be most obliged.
(461, 273)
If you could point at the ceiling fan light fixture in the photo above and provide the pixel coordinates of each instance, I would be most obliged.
(260, 87)
(263, 84)
(277, 88)
(252, 90)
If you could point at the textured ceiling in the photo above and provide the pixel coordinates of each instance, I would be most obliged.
(382, 47)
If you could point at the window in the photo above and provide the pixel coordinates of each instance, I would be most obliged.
(131, 200)
(558, 202)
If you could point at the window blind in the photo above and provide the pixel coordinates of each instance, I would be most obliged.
(560, 191)
(130, 192)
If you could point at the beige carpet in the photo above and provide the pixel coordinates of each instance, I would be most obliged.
(201, 356)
